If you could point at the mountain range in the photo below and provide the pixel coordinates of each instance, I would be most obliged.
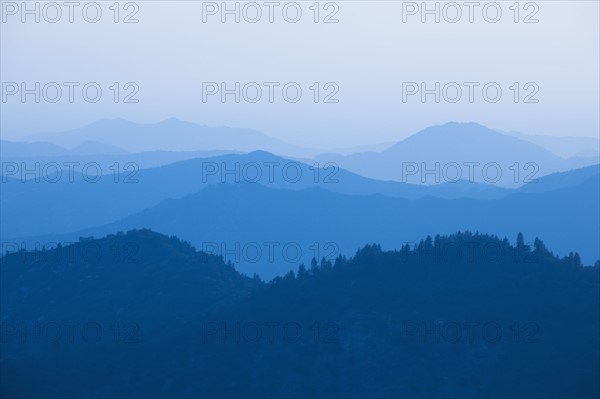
(566, 147)
(459, 151)
(197, 264)
(446, 144)
(248, 216)
(169, 135)
(71, 205)
(17, 149)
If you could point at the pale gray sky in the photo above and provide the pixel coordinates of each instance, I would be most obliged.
(368, 55)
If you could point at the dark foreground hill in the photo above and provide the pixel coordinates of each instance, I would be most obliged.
(145, 315)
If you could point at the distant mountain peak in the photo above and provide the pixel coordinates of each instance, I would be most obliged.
(174, 121)
(462, 124)
(262, 153)
(458, 128)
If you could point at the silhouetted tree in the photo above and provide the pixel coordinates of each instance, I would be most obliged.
(325, 264)
(520, 241)
(576, 260)
(302, 271)
(314, 268)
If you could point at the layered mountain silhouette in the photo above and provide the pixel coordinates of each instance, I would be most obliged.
(174, 135)
(176, 322)
(80, 201)
(248, 217)
(72, 197)
(169, 135)
(187, 312)
(469, 145)
(566, 147)
(459, 150)
(36, 150)
(107, 163)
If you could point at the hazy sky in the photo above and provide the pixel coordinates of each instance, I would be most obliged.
(366, 56)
